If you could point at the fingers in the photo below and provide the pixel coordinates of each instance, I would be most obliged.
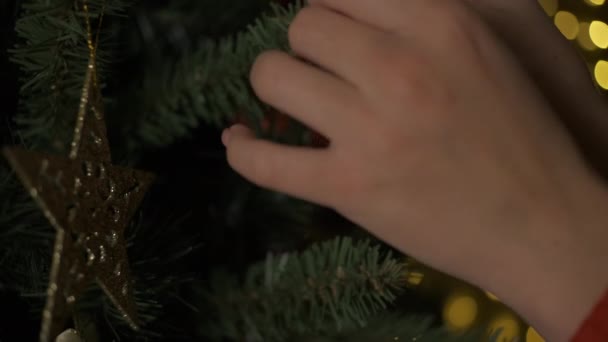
(296, 171)
(335, 42)
(309, 94)
(347, 47)
(387, 15)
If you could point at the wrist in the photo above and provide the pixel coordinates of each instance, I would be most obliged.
(561, 265)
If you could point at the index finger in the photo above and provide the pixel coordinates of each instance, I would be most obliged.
(386, 14)
(296, 171)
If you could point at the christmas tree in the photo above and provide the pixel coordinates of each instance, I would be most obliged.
(211, 257)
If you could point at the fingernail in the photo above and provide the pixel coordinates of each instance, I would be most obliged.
(226, 136)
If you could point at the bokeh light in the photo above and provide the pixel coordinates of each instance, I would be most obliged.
(550, 6)
(598, 31)
(567, 23)
(415, 278)
(584, 37)
(491, 296)
(460, 312)
(601, 74)
(586, 23)
(508, 325)
(533, 336)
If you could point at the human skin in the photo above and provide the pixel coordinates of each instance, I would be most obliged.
(442, 146)
(556, 68)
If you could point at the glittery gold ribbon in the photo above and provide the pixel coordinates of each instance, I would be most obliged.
(91, 80)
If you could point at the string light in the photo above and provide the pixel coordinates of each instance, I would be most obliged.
(595, 2)
(584, 37)
(601, 74)
(533, 336)
(598, 31)
(460, 312)
(567, 23)
(550, 6)
(415, 278)
(491, 296)
(508, 326)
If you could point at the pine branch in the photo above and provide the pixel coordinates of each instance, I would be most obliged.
(53, 57)
(208, 85)
(26, 242)
(333, 286)
(25, 238)
(157, 254)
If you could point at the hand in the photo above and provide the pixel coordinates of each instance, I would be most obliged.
(441, 146)
(556, 68)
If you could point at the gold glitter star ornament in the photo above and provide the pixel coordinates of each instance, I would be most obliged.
(90, 202)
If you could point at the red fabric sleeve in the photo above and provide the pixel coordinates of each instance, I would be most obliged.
(595, 327)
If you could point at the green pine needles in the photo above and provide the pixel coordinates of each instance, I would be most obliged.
(210, 84)
(25, 239)
(332, 286)
(340, 290)
(53, 57)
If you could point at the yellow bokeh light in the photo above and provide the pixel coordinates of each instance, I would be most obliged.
(508, 326)
(598, 31)
(415, 278)
(491, 296)
(567, 23)
(533, 336)
(595, 2)
(460, 312)
(584, 39)
(601, 74)
(550, 6)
